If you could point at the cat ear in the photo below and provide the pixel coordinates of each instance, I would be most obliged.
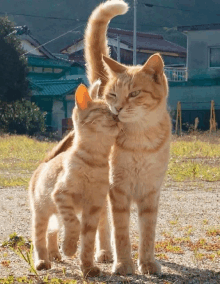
(155, 62)
(94, 89)
(82, 97)
(112, 65)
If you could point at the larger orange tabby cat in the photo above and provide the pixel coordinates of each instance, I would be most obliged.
(138, 95)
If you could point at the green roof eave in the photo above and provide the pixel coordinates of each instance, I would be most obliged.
(55, 88)
(48, 63)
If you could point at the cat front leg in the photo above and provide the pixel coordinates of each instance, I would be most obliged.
(147, 213)
(63, 198)
(103, 240)
(120, 207)
(90, 221)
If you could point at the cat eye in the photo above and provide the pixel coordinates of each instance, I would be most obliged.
(134, 94)
(112, 95)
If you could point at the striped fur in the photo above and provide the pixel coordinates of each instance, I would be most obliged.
(75, 181)
(138, 161)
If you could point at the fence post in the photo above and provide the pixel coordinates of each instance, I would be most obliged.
(178, 119)
(212, 117)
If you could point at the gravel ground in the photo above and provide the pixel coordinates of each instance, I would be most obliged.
(187, 210)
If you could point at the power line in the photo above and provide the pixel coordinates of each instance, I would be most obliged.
(76, 20)
(44, 17)
(51, 40)
(180, 9)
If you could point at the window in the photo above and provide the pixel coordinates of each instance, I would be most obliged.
(38, 69)
(30, 68)
(58, 70)
(48, 70)
(214, 56)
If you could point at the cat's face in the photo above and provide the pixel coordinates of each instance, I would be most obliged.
(136, 93)
(96, 117)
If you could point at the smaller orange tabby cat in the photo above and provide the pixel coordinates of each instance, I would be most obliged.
(75, 181)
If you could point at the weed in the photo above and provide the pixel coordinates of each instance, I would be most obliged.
(213, 232)
(162, 256)
(28, 258)
(168, 246)
(14, 241)
(173, 222)
(5, 263)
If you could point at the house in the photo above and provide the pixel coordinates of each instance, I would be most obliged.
(147, 44)
(53, 79)
(203, 82)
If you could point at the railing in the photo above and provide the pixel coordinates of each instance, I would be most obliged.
(176, 74)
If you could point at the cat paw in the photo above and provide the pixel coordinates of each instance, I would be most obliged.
(150, 268)
(54, 255)
(43, 264)
(104, 256)
(124, 268)
(69, 248)
(90, 271)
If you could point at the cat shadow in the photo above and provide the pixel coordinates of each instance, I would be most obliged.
(180, 274)
(186, 273)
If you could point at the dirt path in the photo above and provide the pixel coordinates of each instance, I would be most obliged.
(188, 237)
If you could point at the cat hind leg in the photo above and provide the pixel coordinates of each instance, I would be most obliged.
(52, 239)
(39, 228)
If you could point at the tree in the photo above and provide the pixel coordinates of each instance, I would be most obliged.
(13, 66)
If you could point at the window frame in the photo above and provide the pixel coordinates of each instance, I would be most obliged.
(209, 56)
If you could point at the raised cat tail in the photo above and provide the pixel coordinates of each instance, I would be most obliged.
(96, 40)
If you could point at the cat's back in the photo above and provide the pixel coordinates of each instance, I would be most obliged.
(46, 175)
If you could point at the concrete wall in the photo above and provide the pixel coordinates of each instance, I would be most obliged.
(195, 102)
(193, 96)
(198, 44)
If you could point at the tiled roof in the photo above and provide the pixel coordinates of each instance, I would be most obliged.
(145, 41)
(199, 27)
(55, 87)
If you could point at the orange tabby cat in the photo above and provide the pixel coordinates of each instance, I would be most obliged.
(74, 181)
(138, 95)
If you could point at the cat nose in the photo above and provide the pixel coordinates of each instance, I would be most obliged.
(115, 117)
(118, 109)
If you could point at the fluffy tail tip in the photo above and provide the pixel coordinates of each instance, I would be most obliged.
(118, 6)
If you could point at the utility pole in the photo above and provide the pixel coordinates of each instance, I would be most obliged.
(135, 34)
(118, 49)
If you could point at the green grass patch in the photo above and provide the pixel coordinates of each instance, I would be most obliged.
(23, 148)
(191, 170)
(194, 149)
(19, 157)
(13, 181)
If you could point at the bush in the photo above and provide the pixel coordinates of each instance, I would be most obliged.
(22, 117)
(13, 67)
